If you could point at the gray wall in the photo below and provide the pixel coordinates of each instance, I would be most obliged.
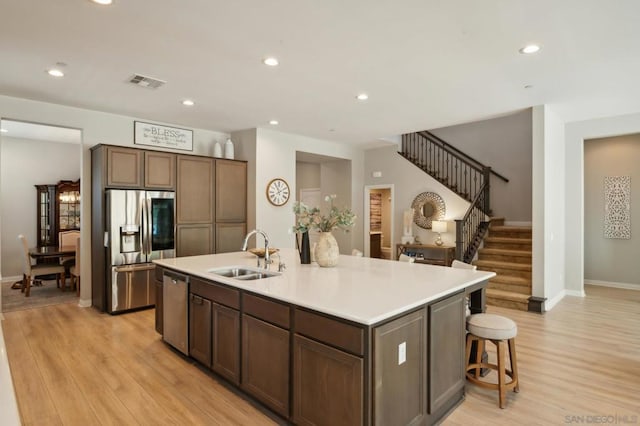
(408, 181)
(504, 144)
(610, 260)
(386, 215)
(25, 163)
(307, 176)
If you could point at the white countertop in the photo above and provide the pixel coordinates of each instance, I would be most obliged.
(359, 289)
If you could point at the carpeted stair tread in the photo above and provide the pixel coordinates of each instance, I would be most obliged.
(481, 264)
(507, 295)
(505, 252)
(507, 279)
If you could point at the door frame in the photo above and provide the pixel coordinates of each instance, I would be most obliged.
(367, 217)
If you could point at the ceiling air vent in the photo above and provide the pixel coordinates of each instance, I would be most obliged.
(143, 81)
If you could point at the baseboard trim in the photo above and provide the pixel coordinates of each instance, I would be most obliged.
(84, 303)
(551, 303)
(626, 286)
(575, 293)
(11, 279)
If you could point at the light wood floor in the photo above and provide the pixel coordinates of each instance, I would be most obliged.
(75, 366)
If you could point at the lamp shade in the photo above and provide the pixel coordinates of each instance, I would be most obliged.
(439, 226)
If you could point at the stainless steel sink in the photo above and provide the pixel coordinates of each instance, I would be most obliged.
(242, 273)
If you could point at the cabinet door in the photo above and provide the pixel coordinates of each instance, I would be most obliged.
(159, 307)
(229, 236)
(327, 385)
(124, 167)
(446, 353)
(195, 193)
(200, 329)
(159, 170)
(226, 342)
(400, 367)
(231, 191)
(193, 240)
(265, 363)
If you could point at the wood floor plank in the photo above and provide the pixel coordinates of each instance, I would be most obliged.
(76, 366)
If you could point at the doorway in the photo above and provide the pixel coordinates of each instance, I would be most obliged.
(33, 155)
(378, 221)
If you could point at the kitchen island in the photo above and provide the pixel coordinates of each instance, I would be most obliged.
(370, 341)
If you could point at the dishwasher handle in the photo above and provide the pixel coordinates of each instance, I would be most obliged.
(174, 278)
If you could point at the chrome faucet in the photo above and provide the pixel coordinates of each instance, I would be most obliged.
(267, 258)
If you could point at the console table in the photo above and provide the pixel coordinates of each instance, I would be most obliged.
(428, 253)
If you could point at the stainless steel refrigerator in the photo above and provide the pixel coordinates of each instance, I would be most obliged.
(140, 228)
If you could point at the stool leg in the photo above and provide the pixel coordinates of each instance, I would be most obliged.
(468, 352)
(479, 352)
(501, 374)
(514, 364)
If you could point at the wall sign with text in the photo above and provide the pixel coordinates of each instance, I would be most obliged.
(162, 136)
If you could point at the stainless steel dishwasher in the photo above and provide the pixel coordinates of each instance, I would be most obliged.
(175, 292)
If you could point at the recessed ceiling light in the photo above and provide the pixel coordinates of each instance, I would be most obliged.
(531, 48)
(274, 122)
(362, 97)
(188, 102)
(272, 62)
(103, 2)
(528, 86)
(55, 72)
(3, 130)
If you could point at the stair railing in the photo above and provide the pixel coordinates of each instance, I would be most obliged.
(464, 175)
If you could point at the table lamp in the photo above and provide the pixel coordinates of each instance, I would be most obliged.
(439, 226)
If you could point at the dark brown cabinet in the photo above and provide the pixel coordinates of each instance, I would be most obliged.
(226, 342)
(265, 363)
(446, 353)
(229, 236)
(200, 329)
(159, 299)
(231, 191)
(194, 239)
(327, 385)
(401, 370)
(265, 351)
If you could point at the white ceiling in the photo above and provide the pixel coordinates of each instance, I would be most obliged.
(41, 132)
(424, 63)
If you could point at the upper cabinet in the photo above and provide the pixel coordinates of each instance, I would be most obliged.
(159, 170)
(136, 168)
(124, 167)
(231, 191)
(195, 189)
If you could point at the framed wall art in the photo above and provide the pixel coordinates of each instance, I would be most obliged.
(162, 136)
(617, 207)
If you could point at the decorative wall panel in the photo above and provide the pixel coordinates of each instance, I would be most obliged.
(617, 207)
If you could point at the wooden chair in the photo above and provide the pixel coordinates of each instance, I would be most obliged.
(67, 238)
(75, 269)
(29, 271)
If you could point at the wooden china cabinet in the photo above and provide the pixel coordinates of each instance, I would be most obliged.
(58, 209)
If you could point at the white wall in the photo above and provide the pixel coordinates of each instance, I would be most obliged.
(97, 127)
(576, 133)
(277, 154)
(409, 181)
(504, 144)
(610, 260)
(25, 163)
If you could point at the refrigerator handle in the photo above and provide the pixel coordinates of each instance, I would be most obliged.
(148, 230)
(145, 226)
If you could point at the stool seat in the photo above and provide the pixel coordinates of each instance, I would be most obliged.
(500, 331)
(492, 327)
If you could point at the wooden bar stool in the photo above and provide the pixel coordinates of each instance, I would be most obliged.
(499, 330)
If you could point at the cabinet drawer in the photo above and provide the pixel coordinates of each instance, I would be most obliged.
(327, 330)
(268, 310)
(216, 293)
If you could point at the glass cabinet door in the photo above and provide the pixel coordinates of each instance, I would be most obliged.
(46, 207)
(68, 200)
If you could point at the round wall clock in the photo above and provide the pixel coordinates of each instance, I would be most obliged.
(278, 192)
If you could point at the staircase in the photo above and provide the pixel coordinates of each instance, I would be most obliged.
(507, 252)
